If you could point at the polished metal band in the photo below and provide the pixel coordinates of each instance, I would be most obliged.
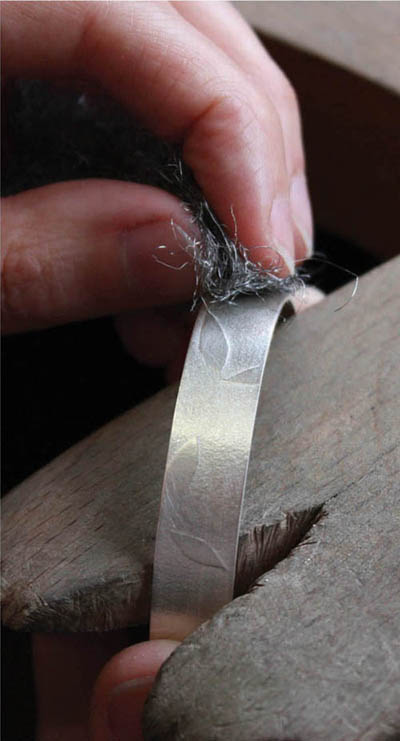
(208, 457)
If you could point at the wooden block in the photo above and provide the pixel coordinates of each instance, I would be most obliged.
(78, 536)
(313, 652)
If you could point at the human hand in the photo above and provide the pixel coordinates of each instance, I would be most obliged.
(192, 72)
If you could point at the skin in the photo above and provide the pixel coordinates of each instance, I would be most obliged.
(195, 73)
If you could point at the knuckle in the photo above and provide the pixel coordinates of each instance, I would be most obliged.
(229, 122)
(231, 113)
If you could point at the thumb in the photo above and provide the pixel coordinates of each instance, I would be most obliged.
(122, 688)
(77, 250)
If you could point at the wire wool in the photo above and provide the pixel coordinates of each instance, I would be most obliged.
(222, 266)
(61, 135)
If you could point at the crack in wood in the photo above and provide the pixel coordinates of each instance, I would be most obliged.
(266, 545)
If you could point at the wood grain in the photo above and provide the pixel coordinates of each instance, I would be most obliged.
(313, 653)
(78, 536)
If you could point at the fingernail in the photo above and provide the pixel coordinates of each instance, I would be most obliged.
(301, 211)
(282, 231)
(125, 708)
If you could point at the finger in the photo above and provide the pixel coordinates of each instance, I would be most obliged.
(121, 690)
(157, 337)
(221, 23)
(183, 87)
(83, 249)
(63, 697)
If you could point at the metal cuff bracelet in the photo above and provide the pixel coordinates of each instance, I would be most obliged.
(208, 457)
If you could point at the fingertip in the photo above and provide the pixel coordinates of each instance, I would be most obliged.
(125, 708)
(282, 232)
(122, 688)
(302, 216)
(274, 259)
(277, 255)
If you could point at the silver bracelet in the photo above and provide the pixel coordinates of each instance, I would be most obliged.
(207, 462)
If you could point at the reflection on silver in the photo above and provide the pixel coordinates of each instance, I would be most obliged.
(208, 456)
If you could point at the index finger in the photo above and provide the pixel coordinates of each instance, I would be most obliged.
(182, 86)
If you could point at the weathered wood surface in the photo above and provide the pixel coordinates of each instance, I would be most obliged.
(78, 536)
(362, 36)
(313, 653)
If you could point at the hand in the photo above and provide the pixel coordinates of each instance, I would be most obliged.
(193, 72)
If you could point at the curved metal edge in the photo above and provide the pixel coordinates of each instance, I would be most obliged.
(207, 462)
